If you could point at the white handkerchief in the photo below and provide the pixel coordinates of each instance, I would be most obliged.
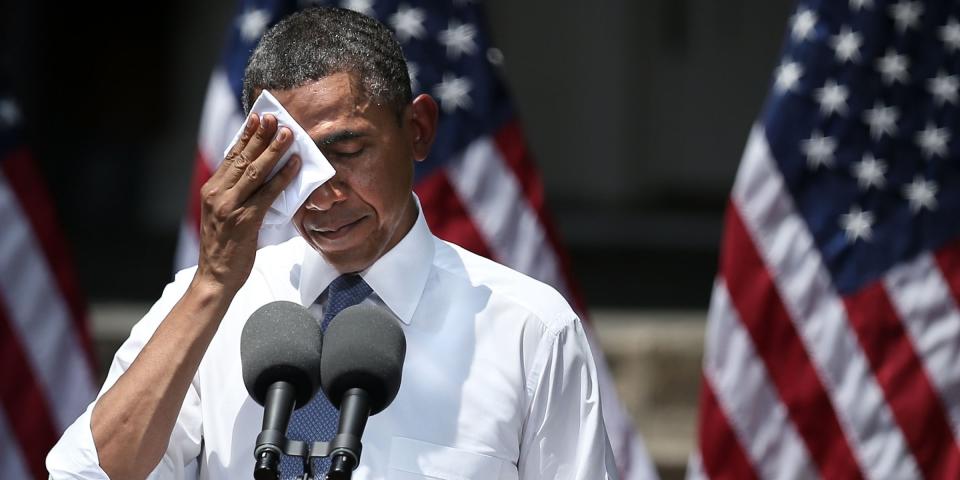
(314, 167)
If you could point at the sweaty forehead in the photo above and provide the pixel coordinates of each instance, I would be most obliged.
(334, 99)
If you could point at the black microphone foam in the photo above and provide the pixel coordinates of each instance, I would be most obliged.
(364, 347)
(281, 342)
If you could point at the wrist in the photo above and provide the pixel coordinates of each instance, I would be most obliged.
(207, 290)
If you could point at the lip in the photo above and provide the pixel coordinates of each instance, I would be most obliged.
(335, 233)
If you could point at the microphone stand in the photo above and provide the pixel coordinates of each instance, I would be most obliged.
(342, 450)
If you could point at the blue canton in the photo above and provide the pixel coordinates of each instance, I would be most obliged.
(862, 122)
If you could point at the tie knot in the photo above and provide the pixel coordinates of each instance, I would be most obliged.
(344, 291)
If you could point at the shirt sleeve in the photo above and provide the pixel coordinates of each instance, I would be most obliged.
(75, 454)
(564, 436)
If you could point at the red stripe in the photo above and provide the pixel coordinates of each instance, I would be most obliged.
(901, 374)
(201, 173)
(777, 342)
(446, 215)
(513, 148)
(948, 258)
(23, 401)
(720, 451)
(31, 192)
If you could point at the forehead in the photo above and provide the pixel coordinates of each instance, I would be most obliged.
(332, 102)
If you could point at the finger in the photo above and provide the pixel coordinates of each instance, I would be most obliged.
(268, 193)
(255, 174)
(251, 151)
(249, 128)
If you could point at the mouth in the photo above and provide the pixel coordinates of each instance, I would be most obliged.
(335, 232)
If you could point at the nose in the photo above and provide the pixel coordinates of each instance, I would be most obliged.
(325, 196)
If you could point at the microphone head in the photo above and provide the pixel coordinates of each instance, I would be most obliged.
(281, 342)
(364, 347)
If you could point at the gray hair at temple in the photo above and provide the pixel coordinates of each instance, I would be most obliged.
(316, 42)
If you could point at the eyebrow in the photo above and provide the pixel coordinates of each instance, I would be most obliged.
(336, 137)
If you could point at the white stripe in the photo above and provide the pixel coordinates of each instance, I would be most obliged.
(492, 195)
(695, 467)
(39, 316)
(220, 120)
(924, 303)
(11, 455)
(188, 246)
(747, 397)
(803, 281)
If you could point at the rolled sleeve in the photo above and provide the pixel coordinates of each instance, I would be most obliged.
(75, 454)
(564, 435)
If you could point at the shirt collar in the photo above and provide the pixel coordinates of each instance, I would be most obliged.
(398, 277)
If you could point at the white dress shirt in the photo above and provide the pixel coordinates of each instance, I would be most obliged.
(498, 383)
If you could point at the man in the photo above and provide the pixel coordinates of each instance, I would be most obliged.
(499, 381)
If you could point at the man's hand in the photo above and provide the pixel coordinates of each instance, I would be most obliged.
(131, 423)
(235, 200)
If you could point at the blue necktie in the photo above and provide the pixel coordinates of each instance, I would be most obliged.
(317, 421)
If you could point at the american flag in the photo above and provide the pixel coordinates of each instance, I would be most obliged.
(47, 379)
(833, 343)
(479, 187)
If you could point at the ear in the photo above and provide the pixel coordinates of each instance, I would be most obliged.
(423, 122)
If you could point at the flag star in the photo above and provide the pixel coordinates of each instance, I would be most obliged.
(787, 76)
(412, 71)
(408, 23)
(860, 4)
(832, 98)
(819, 150)
(950, 34)
(893, 67)
(362, 6)
(921, 194)
(933, 141)
(453, 92)
(882, 120)
(846, 45)
(802, 24)
(252, 23)
(459, 39)
(906, 14)
(944, 88)
(870, 172)
(857, 224)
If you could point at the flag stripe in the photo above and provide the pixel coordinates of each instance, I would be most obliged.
(220, 118)
(24, 400)
(11, 455)
(26, 184)
(948, 261)
(744, 391)
(762, 313)
(720, 450)
(804, 283)
(39, 317)
(447, 216)
(201, 173)
(493, 199)
(922, 299)
(900, 373)
(513, 149)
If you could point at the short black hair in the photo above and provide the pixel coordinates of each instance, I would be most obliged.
(316, 42)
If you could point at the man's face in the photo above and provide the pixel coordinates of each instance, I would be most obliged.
(367, 207)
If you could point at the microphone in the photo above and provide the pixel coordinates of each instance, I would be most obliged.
(361, 365)
(280, 358)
